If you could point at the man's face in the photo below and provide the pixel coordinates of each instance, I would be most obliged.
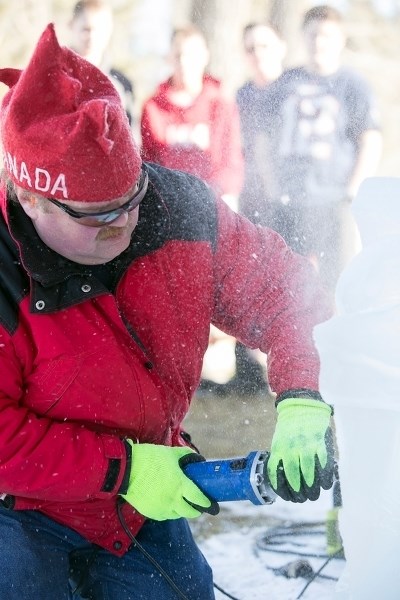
(90, 34)
(324, 42)
(80, 243)
(264, 50)
(189, 56)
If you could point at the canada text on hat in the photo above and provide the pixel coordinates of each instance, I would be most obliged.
(64, 131)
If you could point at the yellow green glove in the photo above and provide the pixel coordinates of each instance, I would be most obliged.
(302, 453)
(158, 487)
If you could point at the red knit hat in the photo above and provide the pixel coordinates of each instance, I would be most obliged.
(64, 131)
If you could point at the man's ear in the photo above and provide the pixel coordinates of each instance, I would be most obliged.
(29, 203)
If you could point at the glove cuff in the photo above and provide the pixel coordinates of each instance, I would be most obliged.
(292, 402)
(125, 482)
(301, 393)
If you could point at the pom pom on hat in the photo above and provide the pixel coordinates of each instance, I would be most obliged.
(64, 130)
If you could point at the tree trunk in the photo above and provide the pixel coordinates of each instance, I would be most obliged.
(287, 15)
(222, 23)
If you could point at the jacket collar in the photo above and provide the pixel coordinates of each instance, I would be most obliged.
(58, 282)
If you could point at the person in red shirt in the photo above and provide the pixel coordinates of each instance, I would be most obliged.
(189, 124)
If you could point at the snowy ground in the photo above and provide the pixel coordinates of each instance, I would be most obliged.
(234, 541)
(246, 565)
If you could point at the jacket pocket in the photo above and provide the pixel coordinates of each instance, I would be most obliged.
(47, 387)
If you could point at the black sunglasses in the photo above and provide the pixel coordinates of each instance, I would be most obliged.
(99, 219)
(259, 46)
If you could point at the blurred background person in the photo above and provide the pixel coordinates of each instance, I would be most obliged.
(324, 123)
(189, 124)
(90, 29)
(265, 51)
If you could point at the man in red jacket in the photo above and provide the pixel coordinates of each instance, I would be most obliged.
(190, 125)
(111, 272)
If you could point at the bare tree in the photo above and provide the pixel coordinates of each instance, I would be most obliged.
(222, 22)
(286, 16)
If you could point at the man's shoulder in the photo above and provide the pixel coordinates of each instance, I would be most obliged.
(291, 74)
(249, 92)
(166, 177)
(214, 93)
(346, 80)
(189, 202)
(180, 190)
(123, 79)
(352, 79)
(287, 81)
(245, 89)
(212, 82)
(160, 97)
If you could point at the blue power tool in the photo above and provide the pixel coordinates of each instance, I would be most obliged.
(234, 478)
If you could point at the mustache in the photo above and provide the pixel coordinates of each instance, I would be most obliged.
(108, 233)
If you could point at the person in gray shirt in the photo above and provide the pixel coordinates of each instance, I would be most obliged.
(324, 129)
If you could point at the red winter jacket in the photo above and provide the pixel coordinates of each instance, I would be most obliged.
(202, 139)
(83, 365)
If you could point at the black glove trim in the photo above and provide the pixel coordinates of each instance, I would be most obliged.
(123, 488)
(301, 393)
(111, 478)
(210, 510)
(323, 477)
(8, 502)
(187, 459)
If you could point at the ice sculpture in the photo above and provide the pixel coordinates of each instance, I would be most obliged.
(360, 377)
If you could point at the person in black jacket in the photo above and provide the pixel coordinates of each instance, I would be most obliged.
(91, 28)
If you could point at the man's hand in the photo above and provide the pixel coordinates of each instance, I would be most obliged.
(158, 487)
(301, 460)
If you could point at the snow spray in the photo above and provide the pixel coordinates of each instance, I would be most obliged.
(360, 375)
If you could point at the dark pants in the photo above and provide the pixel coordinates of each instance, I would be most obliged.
(43, 560)
(250, 377)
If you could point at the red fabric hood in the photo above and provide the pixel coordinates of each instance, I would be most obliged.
(211, 87)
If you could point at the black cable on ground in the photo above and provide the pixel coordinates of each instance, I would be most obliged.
(318, 573)
(268, 540)
(291, 530)
(279, 536)
(217, 587)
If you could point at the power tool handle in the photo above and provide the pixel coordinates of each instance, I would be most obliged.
(227, 479)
